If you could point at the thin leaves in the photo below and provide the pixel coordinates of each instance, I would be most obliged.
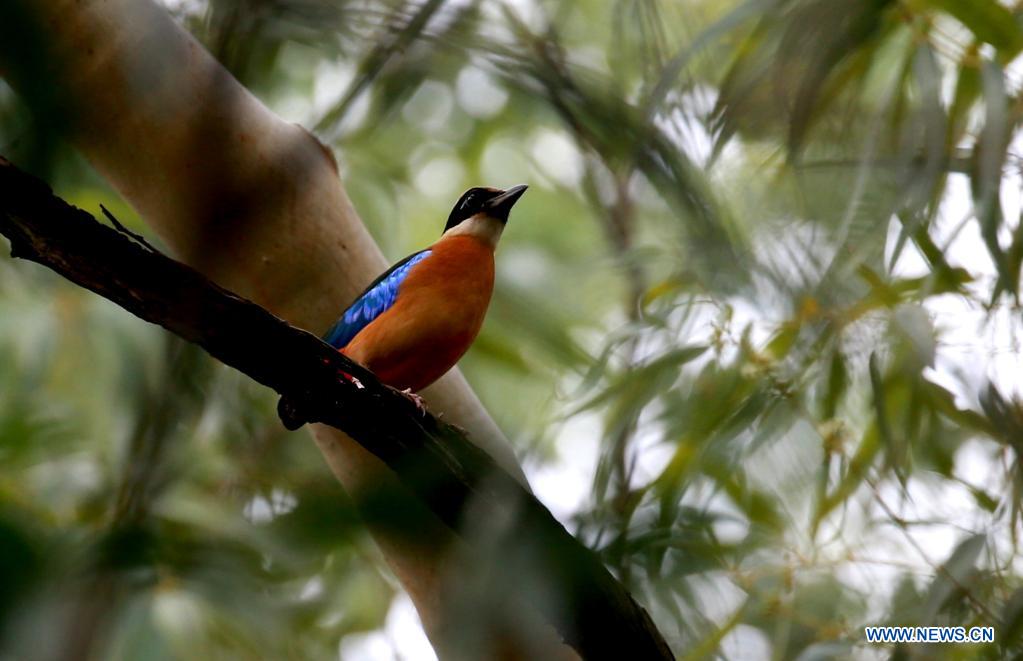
(989, 156)
(989, 20)
(406, 25)
(954, 577)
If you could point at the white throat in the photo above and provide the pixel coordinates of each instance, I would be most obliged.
(481, 226)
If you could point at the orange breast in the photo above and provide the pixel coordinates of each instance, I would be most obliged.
(437, 315)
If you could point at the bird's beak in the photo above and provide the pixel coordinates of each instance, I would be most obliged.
(499, 206)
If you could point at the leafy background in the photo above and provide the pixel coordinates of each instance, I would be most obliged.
(755, 334)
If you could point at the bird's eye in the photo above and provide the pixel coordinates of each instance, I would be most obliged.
(468, 200)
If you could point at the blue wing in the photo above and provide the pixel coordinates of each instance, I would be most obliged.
(372, 303)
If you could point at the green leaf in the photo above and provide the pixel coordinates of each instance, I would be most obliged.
(842, 29)
(989, 158)
(967, 93)
(895, 447)
(954, 576)
(990, 21)
(783, 340)
(838, 381)
(639, 384)
(983, 499)
(1010, 630)
(854, 476)
(943, 401)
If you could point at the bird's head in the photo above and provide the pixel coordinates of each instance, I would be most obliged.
(483, 212)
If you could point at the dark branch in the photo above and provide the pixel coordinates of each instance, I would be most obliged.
(435, 461)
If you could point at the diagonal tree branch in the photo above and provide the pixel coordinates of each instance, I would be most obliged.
(252, 202)
(593, 613)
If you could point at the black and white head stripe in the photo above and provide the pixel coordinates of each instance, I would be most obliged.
(470, 204)
(492, 202)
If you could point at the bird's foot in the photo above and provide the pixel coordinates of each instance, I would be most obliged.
(415, 399)
(351, 379)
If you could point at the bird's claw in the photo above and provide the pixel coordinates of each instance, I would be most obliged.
(351, 379)
(415, 399)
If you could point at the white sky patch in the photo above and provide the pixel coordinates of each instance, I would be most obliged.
(185, 7)
(528, 11)
(440, 177)
(354, 118)
(70, 476)
(927, 498)
(372, 646)
(313, 589)
(524, 265)
(717, 595)
(330, 84)
(974, 345)
(682, 121)
(477, 93)
(504, 164)
(589, 57)
(652, 454)
(406, 632)
(564, 483)
(973, 462)
(401, 638)
(261, 509)
(557, 156)
(911, 262)
(730, 526)
(177, 613)
(745, 642)
(430, 107)
(293, 108)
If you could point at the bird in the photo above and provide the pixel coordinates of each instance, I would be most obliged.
(414, 322)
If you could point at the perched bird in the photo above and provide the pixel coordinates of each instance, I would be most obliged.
(413, 323)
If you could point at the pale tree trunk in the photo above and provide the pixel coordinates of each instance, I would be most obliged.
(252, 201)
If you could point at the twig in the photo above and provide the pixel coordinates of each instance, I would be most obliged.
(938, 569)
(124, 230)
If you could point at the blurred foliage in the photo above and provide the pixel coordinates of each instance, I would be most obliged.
(755, 332)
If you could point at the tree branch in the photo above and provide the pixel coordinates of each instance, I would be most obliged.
(251, 201)
(435, 461)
